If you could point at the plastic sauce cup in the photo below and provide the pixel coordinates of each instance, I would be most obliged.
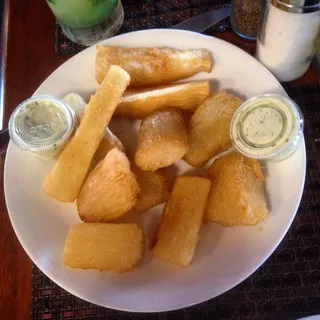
(42, 125)
(268, 126)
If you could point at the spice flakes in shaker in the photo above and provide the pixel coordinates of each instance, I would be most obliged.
(245, 17)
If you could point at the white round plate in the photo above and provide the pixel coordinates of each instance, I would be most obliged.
(224, 256)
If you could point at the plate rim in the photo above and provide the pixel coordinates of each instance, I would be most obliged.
(179, 305)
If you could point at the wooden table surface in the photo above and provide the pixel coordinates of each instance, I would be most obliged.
(29, 58)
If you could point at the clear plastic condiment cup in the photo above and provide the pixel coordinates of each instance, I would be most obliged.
(268, 126)
(42, 125)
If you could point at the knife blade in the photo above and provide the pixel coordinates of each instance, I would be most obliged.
(203, 21)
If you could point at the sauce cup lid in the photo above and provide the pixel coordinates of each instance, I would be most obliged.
(41, 123)
(266, 125)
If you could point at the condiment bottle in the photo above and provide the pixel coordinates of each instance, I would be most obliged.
(42, 125)
(245, 17)
(268, 126)
(288, 38)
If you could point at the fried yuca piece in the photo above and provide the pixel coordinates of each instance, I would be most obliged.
(209, 128)
(110, 190)
(178, 232)
(65, 179)
(152, 66)
(104, 246)
(77, 104)
(154, 189)
(109, 140)
(237, 195)
(139, 103)
(162, 140)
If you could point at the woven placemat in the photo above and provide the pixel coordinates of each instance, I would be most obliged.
(287, 286)
(150, 14)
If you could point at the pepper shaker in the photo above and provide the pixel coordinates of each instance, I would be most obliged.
(245, 17)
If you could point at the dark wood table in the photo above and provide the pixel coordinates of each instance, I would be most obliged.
(29, 57)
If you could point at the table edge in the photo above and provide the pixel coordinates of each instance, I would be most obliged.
(3, 56)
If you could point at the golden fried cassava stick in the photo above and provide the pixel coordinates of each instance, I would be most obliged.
(65, 179)
(104, 246)
(139, 103)
(154, 189)
(237, 195)
(210, 126)
(152, 66)
(109, 140)
(162, 140)
(110, 190)
(178, 232)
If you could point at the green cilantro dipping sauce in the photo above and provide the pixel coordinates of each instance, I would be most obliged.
(42, 125)
(267, 127)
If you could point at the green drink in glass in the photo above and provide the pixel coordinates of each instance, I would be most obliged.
(88, 21)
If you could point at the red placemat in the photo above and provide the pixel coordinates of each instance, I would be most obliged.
(285, 287)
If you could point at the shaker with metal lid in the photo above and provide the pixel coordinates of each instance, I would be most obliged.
(289, 36)
(245, 17)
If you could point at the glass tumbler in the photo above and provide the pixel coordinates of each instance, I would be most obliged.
(87, 22)
(289, 37)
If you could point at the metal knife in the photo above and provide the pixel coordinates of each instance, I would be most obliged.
(203, 21)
